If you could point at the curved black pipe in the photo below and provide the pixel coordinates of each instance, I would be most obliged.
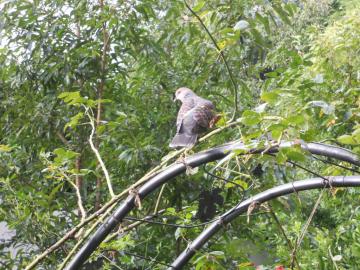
(314, 183)
(195, 161)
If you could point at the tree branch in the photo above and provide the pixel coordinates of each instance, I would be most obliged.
(98, 156)
(78, 195)
(158, 199)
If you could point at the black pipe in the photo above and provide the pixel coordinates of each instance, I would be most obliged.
(314, 183)
(194, 161)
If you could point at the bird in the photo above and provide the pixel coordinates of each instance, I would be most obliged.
(195, 116)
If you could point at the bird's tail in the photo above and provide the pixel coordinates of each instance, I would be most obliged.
(183, 140)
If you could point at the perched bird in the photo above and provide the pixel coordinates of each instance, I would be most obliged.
(196, 114)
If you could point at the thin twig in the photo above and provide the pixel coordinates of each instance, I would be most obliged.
(111, 262)
(78, 195)
(146, 220)
(223, 179)
(272, 213)
(146, 258)
(171, 224)
(218, 130)
(78, 183)
(337, 165)
(133, 225)
(79, 202)
(97, 154)
(233, 171)
(303, 168)
(62, 138)
(306, 226)
(222, 55)
(332, 259)
(158, 199)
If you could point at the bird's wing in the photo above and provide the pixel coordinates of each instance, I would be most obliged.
(203, 113)
(184, 109)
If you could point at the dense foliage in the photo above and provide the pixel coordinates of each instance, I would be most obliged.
(74, 71)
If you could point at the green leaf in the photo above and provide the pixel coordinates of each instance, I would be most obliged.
(309, 135)
(282, 14)
(281, 158)
(270, 97)
(253, 135)
(242, 183)
(296, 120)
(199, 6)
(217, 253)
(72, 98)
(74, 121)
(63, 155)
(250, 118)
(291, 8)
(264, 21)
(53, 192)
(276, 130)
(272, 74)
(5, 148)
(347, 139)
(296, 156)
(119, 244)
(356, 135)
(170, 211)
(294, 153)
(259, 39)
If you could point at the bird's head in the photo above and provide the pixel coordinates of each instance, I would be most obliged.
(183, 93)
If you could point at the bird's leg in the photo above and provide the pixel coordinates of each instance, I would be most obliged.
(189, 170)
(182, 157)
(188, 151)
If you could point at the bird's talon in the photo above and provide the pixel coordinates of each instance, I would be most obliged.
(189, 170)
(181, 159)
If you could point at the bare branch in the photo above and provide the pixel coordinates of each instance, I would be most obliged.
(332, 259)
(78, 195)
(158, 199)
(62, 138)
(97, 154)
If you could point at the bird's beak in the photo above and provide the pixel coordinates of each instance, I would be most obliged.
(174, 98)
